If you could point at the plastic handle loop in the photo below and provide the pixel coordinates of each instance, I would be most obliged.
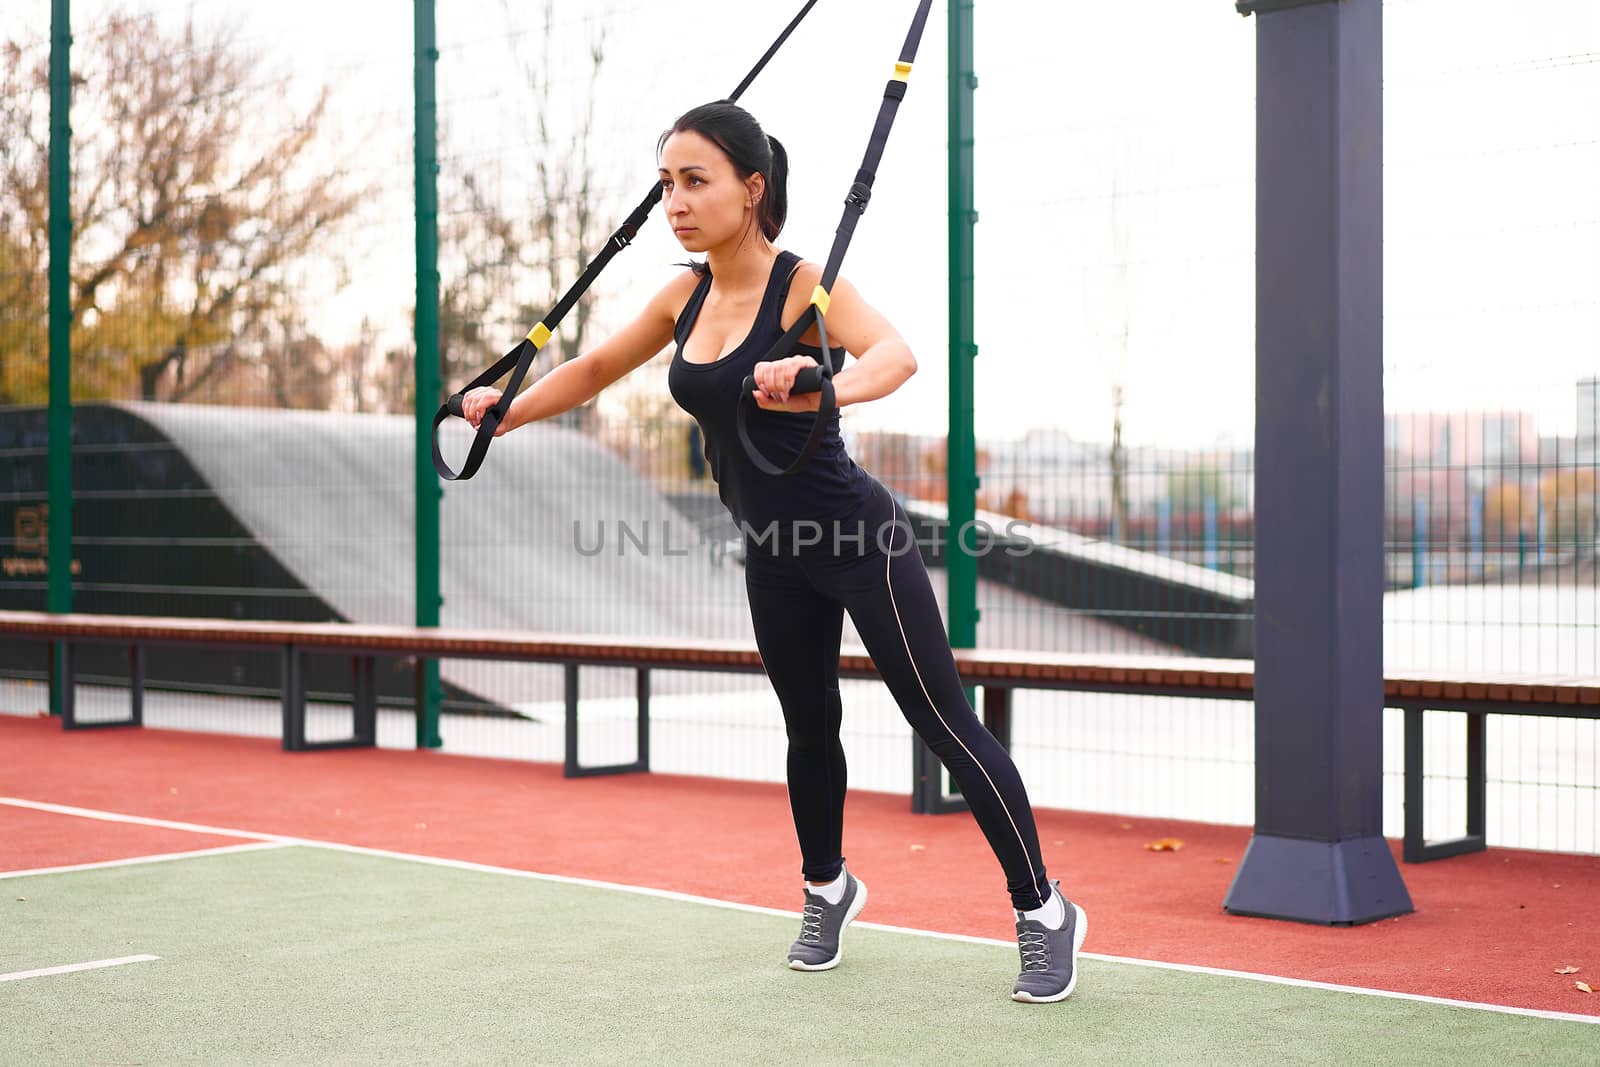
(517, 361)
(817, 379)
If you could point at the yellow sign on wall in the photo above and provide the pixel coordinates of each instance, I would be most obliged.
(30, 537)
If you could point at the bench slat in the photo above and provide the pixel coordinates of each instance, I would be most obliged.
(1233, 678)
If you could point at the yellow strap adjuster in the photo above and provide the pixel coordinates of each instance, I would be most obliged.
(902, 71)
(539, 335)
(819, 297)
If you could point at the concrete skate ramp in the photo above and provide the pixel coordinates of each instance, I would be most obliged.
(554, 534)
(332, 496)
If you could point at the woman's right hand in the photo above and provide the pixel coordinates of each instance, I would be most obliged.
(476, 403)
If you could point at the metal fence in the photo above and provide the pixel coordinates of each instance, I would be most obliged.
(244, 286)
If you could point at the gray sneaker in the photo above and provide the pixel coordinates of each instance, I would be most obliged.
(822, 927)
(1049, 957)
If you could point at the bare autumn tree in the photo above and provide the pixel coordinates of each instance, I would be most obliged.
(536, 237)
(24, 192)
(199, 194)
(479, 251)
(565, 207)
(24, 370)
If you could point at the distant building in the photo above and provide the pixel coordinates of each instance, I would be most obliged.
(1461, 438)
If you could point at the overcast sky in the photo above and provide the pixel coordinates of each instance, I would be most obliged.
(1114, 184)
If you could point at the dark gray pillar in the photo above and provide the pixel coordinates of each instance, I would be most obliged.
(1318, 854)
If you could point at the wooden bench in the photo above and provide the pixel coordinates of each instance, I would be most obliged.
(996, 672)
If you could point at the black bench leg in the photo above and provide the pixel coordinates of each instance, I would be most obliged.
(65, 675)
(363, 704)
(62, 676)
(997, 713)
(1477, 775)
(642, 691)
(294, 701)
(1416, 847)
(136, 686)
(569, 673)
(364, 701)
(571, 768)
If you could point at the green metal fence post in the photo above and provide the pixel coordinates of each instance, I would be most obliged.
(59, 460)
(962, 449)
(428, 491)
(928, 796)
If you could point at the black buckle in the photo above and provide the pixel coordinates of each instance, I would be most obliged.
(858, 196)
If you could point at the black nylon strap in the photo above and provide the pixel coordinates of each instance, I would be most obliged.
(855, 203)
(520, 358)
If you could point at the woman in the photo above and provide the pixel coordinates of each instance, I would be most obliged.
(826, 540)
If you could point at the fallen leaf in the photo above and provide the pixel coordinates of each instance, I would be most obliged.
(1566, 970)
(22, 900)
(919, 848)
(1583, 986)
(1164, 844)
(1224, 859)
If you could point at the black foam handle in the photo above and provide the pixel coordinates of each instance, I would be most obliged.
(809, 380)
(818, 379)
(453, 405)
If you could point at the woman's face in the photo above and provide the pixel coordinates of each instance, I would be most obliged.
(706, 201)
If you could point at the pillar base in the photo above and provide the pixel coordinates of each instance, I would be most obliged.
(1331, 883)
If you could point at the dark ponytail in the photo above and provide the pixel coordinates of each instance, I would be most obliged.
(774, 206)
(750, 150)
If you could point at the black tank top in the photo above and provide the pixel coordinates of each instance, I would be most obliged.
(828, 488)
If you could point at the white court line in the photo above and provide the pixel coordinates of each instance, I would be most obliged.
(140, 820)
(133, 861)
(667, 894)
(68, 968)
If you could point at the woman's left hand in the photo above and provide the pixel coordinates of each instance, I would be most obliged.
(774, 381)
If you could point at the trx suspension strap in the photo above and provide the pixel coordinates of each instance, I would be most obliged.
(520, 358)
(820, 378)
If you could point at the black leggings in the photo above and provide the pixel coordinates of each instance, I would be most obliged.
(797, 603)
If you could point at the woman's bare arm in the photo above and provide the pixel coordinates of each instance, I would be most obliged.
(883, 360)
(581, 379)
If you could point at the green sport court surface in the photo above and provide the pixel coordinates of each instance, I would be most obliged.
(285, 953)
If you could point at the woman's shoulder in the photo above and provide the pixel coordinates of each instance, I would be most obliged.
(804, 270)
(669, 301)
(807, 276)
(803, 278)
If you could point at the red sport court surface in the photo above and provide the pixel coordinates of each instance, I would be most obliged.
(1490, 928)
